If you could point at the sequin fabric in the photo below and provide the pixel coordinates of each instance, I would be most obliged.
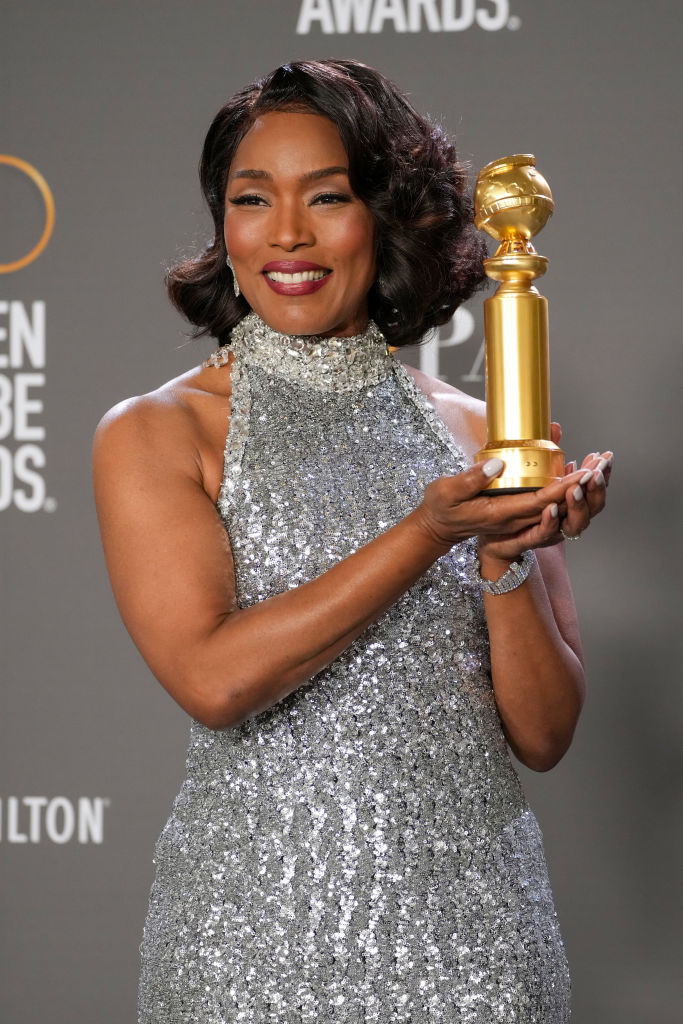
(362, 850)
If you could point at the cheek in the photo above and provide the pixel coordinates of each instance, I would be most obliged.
(356, 239)
(241, 234)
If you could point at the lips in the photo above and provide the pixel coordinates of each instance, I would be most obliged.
(295, 277)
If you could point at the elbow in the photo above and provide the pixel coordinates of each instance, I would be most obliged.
(543, 746)
(215, 718)
(545, 754)
(218, 708)
(221, 714)
(542, 762)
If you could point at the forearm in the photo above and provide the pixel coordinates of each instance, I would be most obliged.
(538, 679)
(224, 664)
(258, 655)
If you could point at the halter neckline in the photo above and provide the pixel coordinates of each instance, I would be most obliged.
(326, 363)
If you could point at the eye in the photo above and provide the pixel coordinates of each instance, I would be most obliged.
(247, 199)
(327, 198)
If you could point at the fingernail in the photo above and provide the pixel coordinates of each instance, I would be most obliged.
(602, 464)
(599, 478)
(571, 466)
(586, 477)
(553, 510)
(577, 494)
(492, 467)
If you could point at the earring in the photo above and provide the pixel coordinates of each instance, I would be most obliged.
(234, 276)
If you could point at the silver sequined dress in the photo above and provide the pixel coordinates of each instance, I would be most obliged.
(361, 851)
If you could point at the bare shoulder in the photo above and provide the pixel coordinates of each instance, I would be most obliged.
(172, 421)
(144, 417)
(464, 415)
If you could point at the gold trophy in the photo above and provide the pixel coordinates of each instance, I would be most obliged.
(512, 203)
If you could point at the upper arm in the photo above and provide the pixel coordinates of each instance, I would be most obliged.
(166, 548)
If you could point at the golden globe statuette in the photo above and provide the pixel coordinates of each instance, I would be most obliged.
(512, 203)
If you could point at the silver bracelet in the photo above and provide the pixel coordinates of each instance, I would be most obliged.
(511, 578)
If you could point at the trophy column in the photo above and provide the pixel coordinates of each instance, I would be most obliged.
(512, 204)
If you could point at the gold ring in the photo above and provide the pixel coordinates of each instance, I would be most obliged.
(44, 189)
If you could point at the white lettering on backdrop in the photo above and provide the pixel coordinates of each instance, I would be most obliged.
(34, 819)
(369, 16)
(22, 352)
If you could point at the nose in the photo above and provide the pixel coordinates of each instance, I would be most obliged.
(290, 226)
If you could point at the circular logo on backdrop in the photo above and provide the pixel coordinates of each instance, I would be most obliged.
(44, 189)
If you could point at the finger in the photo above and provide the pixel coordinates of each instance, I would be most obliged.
(570, 467)
(578, 513)
(605, 465)
(450, 491)
(555, 433)
(599, 460)
(543, 534)
(474, 480)
(596, 492)
(556, 490)
(591, 461)
(547, 532)
(473, 484)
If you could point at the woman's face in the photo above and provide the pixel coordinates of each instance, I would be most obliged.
(301, 243)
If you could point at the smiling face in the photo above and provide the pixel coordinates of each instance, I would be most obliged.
(301, 243)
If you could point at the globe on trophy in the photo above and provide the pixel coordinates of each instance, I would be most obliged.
(512, 204)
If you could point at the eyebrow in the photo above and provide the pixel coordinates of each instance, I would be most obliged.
(324, 172)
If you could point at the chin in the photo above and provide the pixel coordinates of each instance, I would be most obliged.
(296, 319)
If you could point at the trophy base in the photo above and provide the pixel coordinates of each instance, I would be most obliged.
(529, 465)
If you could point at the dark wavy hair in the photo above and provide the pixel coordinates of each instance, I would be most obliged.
(401, 165)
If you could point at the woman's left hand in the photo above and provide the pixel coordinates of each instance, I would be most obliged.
(582, 501)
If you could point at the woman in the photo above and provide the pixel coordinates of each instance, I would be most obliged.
(327, 594)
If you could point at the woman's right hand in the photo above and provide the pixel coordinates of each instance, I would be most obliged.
(453, 507)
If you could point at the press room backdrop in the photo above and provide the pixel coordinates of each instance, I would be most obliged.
(110, 104)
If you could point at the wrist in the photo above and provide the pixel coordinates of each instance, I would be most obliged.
(420, 522)
(512, 577)
(493, 566)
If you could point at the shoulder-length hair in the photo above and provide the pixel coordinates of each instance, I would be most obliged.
(401, 165)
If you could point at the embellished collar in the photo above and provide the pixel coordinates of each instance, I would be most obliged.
(328, 364)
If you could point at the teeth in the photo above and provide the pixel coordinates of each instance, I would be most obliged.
(303, 275)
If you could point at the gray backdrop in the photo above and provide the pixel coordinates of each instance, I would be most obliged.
(111, 103)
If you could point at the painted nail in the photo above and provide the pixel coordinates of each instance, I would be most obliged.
(586, 477)
(602, 464)
(553, 510)
(577, 494)
(599, 478)
(492, 467)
